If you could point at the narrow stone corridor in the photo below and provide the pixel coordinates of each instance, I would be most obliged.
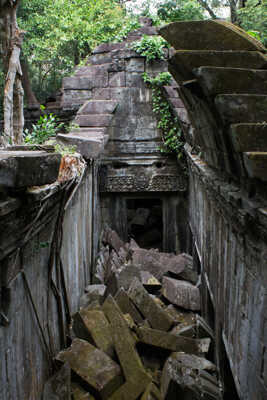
(139, 333)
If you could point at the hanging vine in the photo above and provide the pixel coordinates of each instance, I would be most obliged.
(172, 138)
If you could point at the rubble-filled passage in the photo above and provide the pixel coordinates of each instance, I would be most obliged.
(137, 334)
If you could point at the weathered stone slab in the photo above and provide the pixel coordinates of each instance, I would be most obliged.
(184, 61)
(184, 330)
(93, 120)
(181, 317)
(130, 390)
(135, 65)
(208, 35)
(151, 393)
(78, 393)
(8, 205)
(96, 292)
(236, 108)
(106, 47)
(149, 281)
(28, 168)
(215, 80)
(117, 79)
(88, 147)
(98, 107)
(125, 345)
(58, 386)
(92, 325)
(157, 317)
(127, 307)
(97, 369)
(186, 376)
(256, 164)
(111, 238)
(101, 94)
(169, 341)
(249, 137)
(181, 293)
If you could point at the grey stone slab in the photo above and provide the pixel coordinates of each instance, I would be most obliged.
(92, 325)
(117, 79)
(256, 165)
(169, 341)
(249, 137)
(93, 120)
(98, 107)
(93, 366)
(134, 79)
(181, 293)
(236, 108)
(125, 345)
(157, 317)
(135, 65)
(127, 307)
(28, 168)
(208, 35)
(77, 83)
(88, 147)
(101, 94)
(215, 80)
(58, 386)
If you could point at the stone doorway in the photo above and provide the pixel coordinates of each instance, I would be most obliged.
(145, 222)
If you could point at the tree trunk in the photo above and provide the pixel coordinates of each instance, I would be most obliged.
(233, 11)
(11, 40)
(32, 101)
(206, 6)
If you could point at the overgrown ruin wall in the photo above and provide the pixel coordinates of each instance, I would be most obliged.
(221, 74)
(24, 362)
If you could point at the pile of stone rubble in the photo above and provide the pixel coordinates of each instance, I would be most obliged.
(138, 334)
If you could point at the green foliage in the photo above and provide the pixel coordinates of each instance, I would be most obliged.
(60, 33)
(180, 10)
(46, 127)
(253, 18)
(64, 150)
(167, 123)
(150, 47)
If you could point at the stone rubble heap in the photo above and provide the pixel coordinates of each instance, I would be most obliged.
(137, 334)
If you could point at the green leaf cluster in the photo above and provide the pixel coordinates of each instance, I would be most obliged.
(253, 19)
(180, 10)
(150, 47)
(46, 127)
(168, 124)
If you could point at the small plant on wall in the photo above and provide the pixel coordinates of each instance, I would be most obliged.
(151, 47)
(172, 139)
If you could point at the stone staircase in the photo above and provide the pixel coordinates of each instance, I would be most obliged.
(224, 74)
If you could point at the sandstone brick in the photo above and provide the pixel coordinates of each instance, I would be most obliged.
(181, 293)
(93, 366)
(92, 325)
(98, 107)
(127, 307)
(157, 317)
(169, 341)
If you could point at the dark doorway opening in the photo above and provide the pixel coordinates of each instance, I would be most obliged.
(145, 222)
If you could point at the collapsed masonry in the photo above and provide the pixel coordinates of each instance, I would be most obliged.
(139, 334)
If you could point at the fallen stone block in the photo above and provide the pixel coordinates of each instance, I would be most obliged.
(102, 375)
(157, 317)
(184, 330)
(28, 168)
(181, 317)
(58, 386)
(95, 292)
(185, 376)
(92, 325)
(130, 390)
(125, 346)
(122, 279)
(149, 281)
(203, 329)
(78, 393)
(111, 238)
(127, 307)
(169, 341)
(181, 293)
(151, 393)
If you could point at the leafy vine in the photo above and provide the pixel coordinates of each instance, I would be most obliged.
(172, 139)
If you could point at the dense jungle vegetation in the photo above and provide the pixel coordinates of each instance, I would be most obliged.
(61, 33)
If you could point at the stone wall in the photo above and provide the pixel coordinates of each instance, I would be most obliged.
(221, 74)
(26, 288)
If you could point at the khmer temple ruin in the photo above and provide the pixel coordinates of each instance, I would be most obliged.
(125, 272)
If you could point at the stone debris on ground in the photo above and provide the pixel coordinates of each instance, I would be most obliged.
(138, 334)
